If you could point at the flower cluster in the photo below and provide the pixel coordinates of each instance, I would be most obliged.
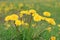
(36, 17)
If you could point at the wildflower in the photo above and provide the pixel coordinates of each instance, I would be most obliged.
(18, 22)
(37, 18)
(47, 14)
(22, 13)
(49, 29)
(50, 20)
(34, 14)
(53, 38)
(43, 18)
(26, 24)
(25, 12)
(7, 18)
(14, 17)
(32, 11)
(58, 25)
(33, 25)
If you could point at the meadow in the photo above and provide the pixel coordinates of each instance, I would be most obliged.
(25, 20)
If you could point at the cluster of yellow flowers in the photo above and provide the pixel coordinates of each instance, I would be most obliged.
(50, 20)
(11, 17)
(36, 17)
(15, 18)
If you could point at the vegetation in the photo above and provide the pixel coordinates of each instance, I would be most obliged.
(29, 20)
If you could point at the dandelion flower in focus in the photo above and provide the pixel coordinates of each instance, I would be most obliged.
(47, 14)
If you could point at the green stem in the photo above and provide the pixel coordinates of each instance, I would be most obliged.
(29, 30)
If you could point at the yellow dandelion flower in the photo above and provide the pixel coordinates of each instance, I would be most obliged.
(32, 11)
(37, 18)
(34, 14)
(50, 20)
(48, 28)
(25, 12)
(18, 22)
(14, 17)
(53, 38)
(43, 18)
(47, 14)
(7, 18)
